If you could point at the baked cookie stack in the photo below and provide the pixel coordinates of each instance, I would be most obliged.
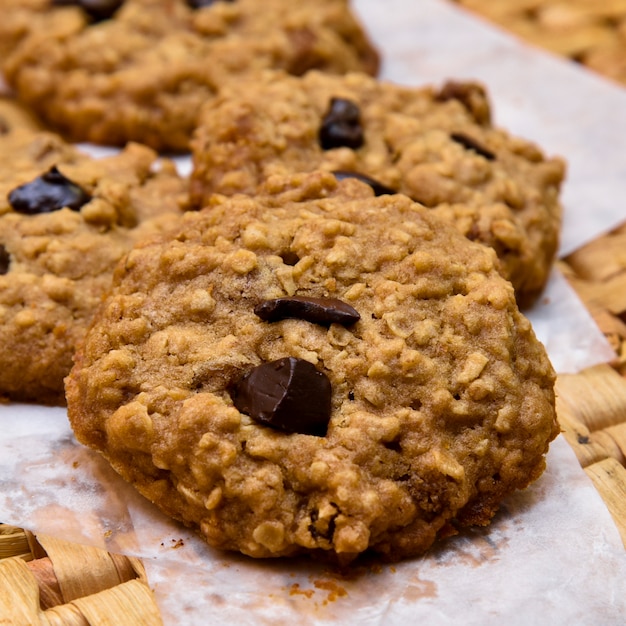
(313, 345)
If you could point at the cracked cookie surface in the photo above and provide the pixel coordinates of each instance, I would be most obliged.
(436, 145)
(442, 398)
(143, 73)
(55, 262)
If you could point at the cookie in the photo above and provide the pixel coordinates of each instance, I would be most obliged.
(315, 370)
(436, 145)
(12, 115)
(140, 69)
(65, 221)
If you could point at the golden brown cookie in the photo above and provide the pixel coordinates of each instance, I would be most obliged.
(13, 115)
(436, 145)
(315, 370)
(113, 71)
(65, 221)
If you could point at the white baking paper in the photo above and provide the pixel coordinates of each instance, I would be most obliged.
(552, 555)
(565, 108)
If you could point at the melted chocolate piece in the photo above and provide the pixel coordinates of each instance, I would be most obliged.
(98, 10)
(341, 125)
(379, 188)
(5, 260)
(198, 4)
(49, 192)
(472, 144)
(323, 311)
(289, 394)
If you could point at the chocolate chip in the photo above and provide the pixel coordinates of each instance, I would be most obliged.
(4, 126)
(198, 4)
(98, 10)
(472, 144)
(323, 311)
(379, 188)
(289, 394)
(49, 192)
(341, 125)
(5, 260)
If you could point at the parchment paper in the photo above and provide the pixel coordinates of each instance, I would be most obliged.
(552, 556)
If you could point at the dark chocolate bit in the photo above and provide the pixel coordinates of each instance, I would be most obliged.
(98, 10)
(4, 126)
(5, 260)
(472, 144)
(49, 192)
(379, 188)
(323, 311)
(198, 4)
(289, 394)
(341, 125)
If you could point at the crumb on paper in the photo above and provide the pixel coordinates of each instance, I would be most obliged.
(334, 589)
(295, 589)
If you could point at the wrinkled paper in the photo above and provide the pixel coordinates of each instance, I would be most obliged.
(551, 556)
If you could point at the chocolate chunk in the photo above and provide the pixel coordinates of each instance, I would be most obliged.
(379, 188)
(49, 192)
(472, 144)
(198, 4)
(4, 126)
(323, 311)
(98, 10)
(5, 260)
(289, 394)
(341, 125)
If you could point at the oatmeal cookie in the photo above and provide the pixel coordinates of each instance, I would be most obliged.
(140, 69)
(435, 145)
(315, 370)
(65, 221)
(12, 115)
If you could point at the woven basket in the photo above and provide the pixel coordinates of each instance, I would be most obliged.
(46, 581)
(592, 404)
(591, 32)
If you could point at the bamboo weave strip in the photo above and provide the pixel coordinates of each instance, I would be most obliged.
(72, 585)
(592, 404)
